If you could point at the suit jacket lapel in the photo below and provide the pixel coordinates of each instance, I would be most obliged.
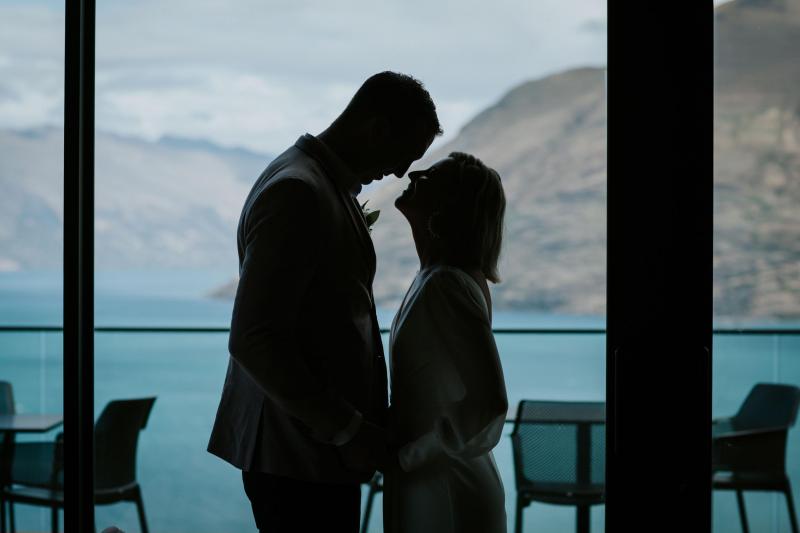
(313, 147)
(357, 218)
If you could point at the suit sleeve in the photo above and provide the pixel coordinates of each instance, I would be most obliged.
(281, 254)
(470, 386)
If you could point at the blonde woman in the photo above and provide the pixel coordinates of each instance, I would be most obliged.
(448, 397)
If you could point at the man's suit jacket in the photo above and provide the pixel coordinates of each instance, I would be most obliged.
(305, 348)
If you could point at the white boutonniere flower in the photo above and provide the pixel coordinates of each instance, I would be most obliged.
(370, 216)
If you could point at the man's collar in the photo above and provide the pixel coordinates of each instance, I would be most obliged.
(337, 169)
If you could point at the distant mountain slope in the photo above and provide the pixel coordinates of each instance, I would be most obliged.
(158, 204)
(757, 159)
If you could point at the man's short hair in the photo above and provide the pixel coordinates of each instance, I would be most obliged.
(397, 97)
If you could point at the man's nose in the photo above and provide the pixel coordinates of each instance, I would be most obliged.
(401, 171)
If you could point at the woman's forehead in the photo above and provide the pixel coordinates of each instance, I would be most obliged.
(448, 163)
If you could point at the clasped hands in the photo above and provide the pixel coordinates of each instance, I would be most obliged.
(370, 449)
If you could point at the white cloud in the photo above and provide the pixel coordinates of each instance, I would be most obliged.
(259, 74)
(233, 108)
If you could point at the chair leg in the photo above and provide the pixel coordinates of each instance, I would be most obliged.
(368, 510)
(140, 511)
(54, 519)
(582, 519)
(518, 518)
(742, 512)
(790, 505)
(11, 520)
(2, 515)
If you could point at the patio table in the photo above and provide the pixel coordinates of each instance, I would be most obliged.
(30, 423)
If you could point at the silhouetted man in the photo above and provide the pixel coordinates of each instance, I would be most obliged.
(305, 393)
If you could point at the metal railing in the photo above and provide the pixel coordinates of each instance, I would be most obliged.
(497, 331)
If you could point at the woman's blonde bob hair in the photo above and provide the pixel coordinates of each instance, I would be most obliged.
(470, 222)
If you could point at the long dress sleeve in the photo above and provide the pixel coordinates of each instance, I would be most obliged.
(468, 385)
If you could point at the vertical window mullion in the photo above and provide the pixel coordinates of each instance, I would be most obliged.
(660, 220)
(79, 266)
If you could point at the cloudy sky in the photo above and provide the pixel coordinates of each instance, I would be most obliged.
(260, 73)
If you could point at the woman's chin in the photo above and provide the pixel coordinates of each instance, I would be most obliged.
(401, 204)
(404, 200)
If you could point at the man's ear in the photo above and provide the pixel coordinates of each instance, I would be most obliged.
(381, 131)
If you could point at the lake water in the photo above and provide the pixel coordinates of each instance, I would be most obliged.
(188, 490)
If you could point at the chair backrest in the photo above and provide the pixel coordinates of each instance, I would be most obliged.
(557, 442)
(116, 436)
(6, 408)
(768, 405)
(6, 398)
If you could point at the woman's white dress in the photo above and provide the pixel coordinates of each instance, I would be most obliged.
(448, 405)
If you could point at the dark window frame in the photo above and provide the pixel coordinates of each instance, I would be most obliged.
(660, 229)
(79, 64)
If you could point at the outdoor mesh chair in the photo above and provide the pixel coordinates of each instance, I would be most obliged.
(116, 438)
(6, 447)
(559, 456)
(27, 463)
(749, 448)
(6, 398)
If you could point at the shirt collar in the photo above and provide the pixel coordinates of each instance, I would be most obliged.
(339, 172)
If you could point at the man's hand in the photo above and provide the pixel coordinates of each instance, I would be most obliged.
(366, 450)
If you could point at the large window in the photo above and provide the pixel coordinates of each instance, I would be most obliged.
(192, 101)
